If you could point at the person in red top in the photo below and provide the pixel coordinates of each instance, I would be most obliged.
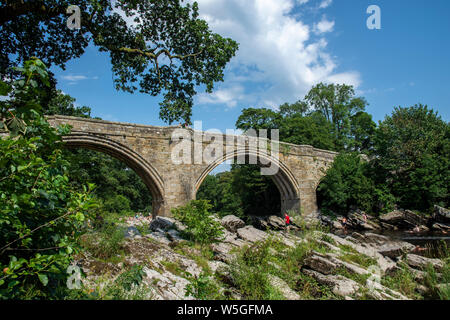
(287, 219)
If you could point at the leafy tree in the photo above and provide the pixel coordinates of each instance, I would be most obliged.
(218, 189)
(259, 194)
(252, 118)
(362, 131)
(63, 104)
(338, 104)
(41, 215)
(201, 226)
(411, 157)
(156, 46)
(310, 130)
(346, 185)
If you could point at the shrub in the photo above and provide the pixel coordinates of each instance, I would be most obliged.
(249, 272)
(346, 185)
(41, 215)
(411, 148)
(203, 287)
(104, 243)
(118, 204)
(201, 227)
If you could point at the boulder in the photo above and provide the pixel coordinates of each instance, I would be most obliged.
(283, 287)
(276, 223)
(174, 235)
(320, 264)
(419, 262)
(131, 232)
(339, 285)
(404, 219)
(162, 223)
(440, 227)
(395, 249)
(259, 222)
(251, 234)
(232, 223)
(222, 252)
(441, 214)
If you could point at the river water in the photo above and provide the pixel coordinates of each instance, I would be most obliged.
(435, 243)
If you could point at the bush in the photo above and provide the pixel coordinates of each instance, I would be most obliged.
(117, 204)
(201, 227)
(41, 215)
(250, 275)
(346, 185)
(412, 148)
(104, 243)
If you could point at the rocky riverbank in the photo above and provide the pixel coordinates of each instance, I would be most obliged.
(396, 220)
(306, 264)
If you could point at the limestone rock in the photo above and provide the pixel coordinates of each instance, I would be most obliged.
(395, 249)
(159, 236)
(131, 232)
(283, 287)
(440, 226)
(222, 252)
(162, 223)
(441, 214)
(232, 223)
(419, 262)
(251, 234)
(276, 223)
(320, 264)
(339, 285)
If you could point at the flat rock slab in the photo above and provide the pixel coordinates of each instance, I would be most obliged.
(339, 285)
(284, 288)
(419, 262)
(251, 234)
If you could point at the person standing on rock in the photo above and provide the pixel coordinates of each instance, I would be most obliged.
(287, 220)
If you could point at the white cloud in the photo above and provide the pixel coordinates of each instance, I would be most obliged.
(74, 79)
(227, 96)
(324, 26)
(325, 4)
(280, 57)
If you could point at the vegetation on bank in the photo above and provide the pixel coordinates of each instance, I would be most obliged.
(50, 212)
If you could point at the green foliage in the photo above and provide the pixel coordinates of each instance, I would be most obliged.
(201, 225)
(411, 148)
(249, 273)
(218, 189)
(128, 286)
(104, 243)
(41, 214)
(169, 50)
(203, 287)
(346, 185)
(118, 203)
(338, 104)
(258, 194)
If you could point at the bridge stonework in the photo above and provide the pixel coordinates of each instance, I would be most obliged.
(148, 149)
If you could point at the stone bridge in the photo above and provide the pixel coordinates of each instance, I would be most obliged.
(148, 150)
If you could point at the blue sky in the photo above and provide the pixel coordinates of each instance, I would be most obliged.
(286, 46)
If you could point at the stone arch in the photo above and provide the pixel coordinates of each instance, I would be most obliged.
(284, 180)
(132, 159)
